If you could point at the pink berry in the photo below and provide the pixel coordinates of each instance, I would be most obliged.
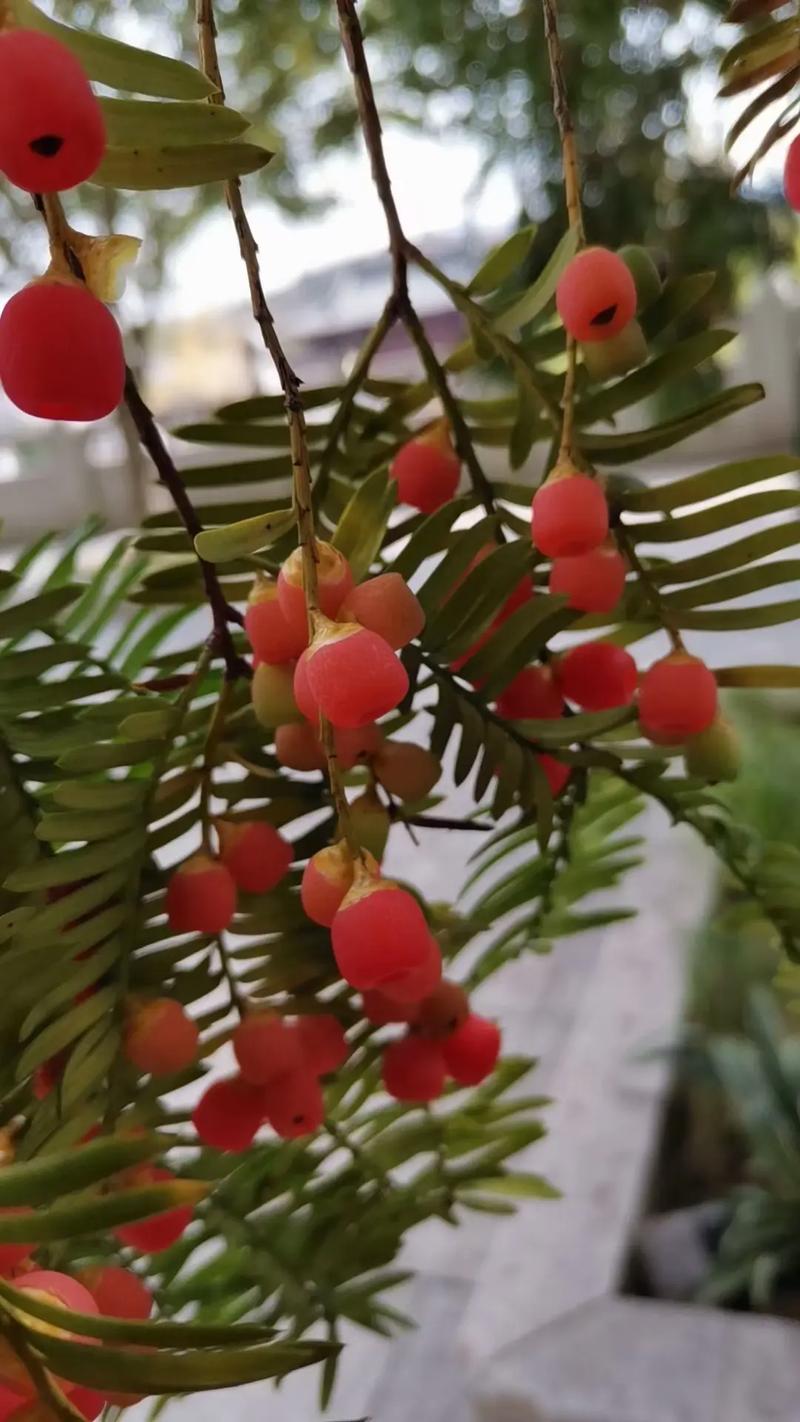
(677, 699)
(118, 1293)
(303, 695)
(61, 354)
(379, 933)
(297, 746)
(265, 1047)
(385, 605)
(593, 582)
(380, 1009)
(59, 1288)
(229, 1113)
(323, 1043)
(471, 1052)
(160, 1037)
(596, 295)
(532, 695)
(355, 744)
(52, 134)
(427, 469)
(420, 982)
(272, 638)
(326, 879)
(569, 515)
(414, 1069)
(334, 581)
(353, 675)
(253, 852)
(201, 896)
(294, 1104)
(597, 676)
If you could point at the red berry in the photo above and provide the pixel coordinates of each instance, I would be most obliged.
(201, 896)
(294, 1104)
(471, 1052)
(385, 605)
(60, 352)
(12, 1255)
(379, 933)
(598, 676)
(118, 1293)
(380, 1009)
(323, 1043)
(271, 637)
(297, 746)
(532, 695)
(273, 697)
(334, 581)
(556, 773)
(593, 582)
(596, 295)
(89, 1403)
(445, 1010)
(420, 982)
(477, 646)
(677, 699)
(59, 1288)
(326, 879)
(265, 1047)
(47, 1076)
(12, 1402)
(160, 1037)
(791, 176)
(406, 770)
(150, 1236)
(304, 697)
(427, 469)
(523, 593)
(253, 852)
(52, 134)
(356, 743)
(229, 1113)
(353, 675)
(413, 1069)
(570, 515)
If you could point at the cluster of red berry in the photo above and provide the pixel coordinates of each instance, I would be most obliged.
(61, 354)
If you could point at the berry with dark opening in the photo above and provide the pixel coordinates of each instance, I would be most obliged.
(160, 1037)
(596, 295)
(420, 982)
(334, 581)
(255, 855)
(297, 746)
(592, 582)
(646, 277)
(380, 1009)
(273, 696)
(625, 351)
(471, 1052)
(385, 605)
(158, 1232)
(355, 744)
(379, 933)
(370, 823)
(326, 879)
(52, 134)
(407, 770)
(597, 676)
(677, 699)
(304, 697)
(265, 1047)
(715, 754)
(444, 1011)
(569, 514)
(555, 772)
(229, 1113)
(294, 1104)
(414, 1069)
(272, 638)
(353, 675)
(323, 1042)
(532, 695)
(118, 1293)
(12, 1255)
(201, 896)
(427, 469)
(61, 352)
(791, 175)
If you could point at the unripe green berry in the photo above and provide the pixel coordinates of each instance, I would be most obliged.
(272, 695)
(645, 273)
(623, 352)
(715, 754)
(371, 823)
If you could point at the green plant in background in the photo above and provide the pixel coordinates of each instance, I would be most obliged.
(131, 722)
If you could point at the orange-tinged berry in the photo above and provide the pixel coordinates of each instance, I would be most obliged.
(385, 605)
(414, 1069)
(118, 1293)
(677, 699)
(334, 581)
(427, 469)
(419, 982)
(150, 1236)
(160, 1037)
(569, 514)
(379, 933)
(596, 295)
(294, 1104)
(532, 695)
(61, 354)
(593, 582)
(407, 770)
(265, 1047)
(597, 676)
(272, 638)
(471, 1052)
(254, 853)
(353, 675)
(273, 696)
(444, 1011)
(201, 896)
(323, 1042)
(355, 744)
(326, 879)
(298, 747)
(229, 1113)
